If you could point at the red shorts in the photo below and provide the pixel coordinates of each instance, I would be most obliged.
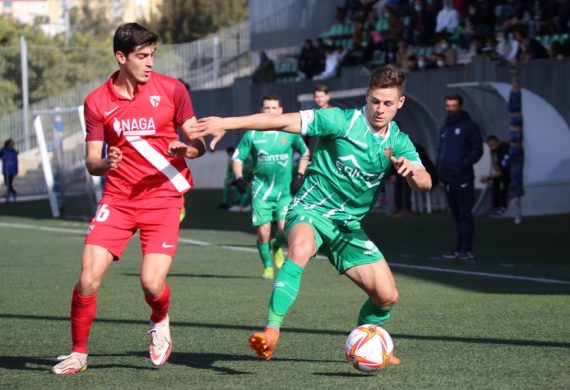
(116, 222)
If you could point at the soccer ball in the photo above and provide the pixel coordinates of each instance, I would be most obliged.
(369, 348)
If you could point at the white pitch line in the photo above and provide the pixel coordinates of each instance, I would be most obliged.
(252, 250)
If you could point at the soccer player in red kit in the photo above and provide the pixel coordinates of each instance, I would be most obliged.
(135, 113)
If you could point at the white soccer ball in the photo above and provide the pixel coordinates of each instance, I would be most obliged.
(369, 348)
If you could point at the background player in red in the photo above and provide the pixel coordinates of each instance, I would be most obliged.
(136, 113)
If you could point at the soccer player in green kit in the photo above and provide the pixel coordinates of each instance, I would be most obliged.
(355, 152)
(271, 152)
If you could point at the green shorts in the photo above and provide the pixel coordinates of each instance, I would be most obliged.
(344, 248)
(268, 211)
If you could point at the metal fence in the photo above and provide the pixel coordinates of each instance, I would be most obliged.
(211, 62)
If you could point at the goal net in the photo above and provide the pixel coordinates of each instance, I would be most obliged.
(72, 192)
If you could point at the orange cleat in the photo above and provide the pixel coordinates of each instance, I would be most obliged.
(264, 343)
(394, 361)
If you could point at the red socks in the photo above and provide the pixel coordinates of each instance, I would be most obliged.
(159, 305)
(83, 311)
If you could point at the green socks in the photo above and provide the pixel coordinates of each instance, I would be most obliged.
(372, 314)
(285, 290)
(264, 253)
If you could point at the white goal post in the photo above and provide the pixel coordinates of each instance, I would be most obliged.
(60, 134)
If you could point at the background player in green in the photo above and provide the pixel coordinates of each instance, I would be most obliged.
(272, 154)
(354, 153)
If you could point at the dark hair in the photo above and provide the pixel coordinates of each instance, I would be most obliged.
(387, 76)
(455, 96)
(230, 149)
(130, 35)
(321, 88)
(491, 137)
(272, 97)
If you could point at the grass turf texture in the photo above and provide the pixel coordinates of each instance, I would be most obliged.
(450, 330)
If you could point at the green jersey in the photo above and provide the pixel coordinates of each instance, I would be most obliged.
(349, 165)
(272, 154)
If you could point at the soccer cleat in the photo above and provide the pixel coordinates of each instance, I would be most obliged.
(160, 342)
(70, 364)
(278, 255)
(466, 256)
(267, 273)
(264, 343)
(394, 361)
(450, 255)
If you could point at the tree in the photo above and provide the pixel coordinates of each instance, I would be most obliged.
(187, 20)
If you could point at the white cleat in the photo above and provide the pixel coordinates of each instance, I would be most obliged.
(70, 364)
(160, 342)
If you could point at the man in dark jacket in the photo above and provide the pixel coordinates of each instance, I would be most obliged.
(460, 147)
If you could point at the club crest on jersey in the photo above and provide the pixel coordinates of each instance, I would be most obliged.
(155, 100)
(134, 126)
(283, 140)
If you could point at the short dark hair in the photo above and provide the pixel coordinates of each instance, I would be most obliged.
(387, 76)
(491, 137)
(271, 97)
(130, 35)
(321, 88)
(455, 96)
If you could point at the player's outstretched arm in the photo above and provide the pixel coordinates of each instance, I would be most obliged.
(216, 126)
(194, 148)
(95, 164)
(417, 176)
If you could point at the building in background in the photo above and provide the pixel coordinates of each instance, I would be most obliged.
(54, 14)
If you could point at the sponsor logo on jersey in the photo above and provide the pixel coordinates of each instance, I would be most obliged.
(264, 157)
(457, 131)
(155, 100)
(112, 110)
(355, 171)
(260, 141)
(134, 126)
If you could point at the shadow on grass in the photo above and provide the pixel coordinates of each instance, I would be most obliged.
(455, 339)
(29, 363)
(345, 374)
(200, 276)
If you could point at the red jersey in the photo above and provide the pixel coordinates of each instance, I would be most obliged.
(142, 127)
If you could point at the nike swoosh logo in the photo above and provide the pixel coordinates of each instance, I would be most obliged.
(107, 113)
(165, 245)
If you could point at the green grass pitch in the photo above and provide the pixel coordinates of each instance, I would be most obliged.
(501, 322)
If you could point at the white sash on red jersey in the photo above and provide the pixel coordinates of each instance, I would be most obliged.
(159, 162)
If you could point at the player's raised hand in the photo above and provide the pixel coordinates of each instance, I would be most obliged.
(177, 149)
(210, 126)
(114, 157)
(403, 166)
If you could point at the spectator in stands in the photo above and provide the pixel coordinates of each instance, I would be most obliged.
(332, 64)
(311, 60)
(482, 18)
(410, 64)
(424, 63)
(9, 156)
(556, 51)
(422, 24)
(351, 11)
(438, 59)
(447, 19)
(528, 48)
(450, 58)
(265, 71)
(403, 53)
(321, 98)
(500, 176)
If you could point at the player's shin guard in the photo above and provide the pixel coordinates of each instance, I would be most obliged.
(372, 314)
(264, 253)
(159, 305)
(285, 290)
(83, 311)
